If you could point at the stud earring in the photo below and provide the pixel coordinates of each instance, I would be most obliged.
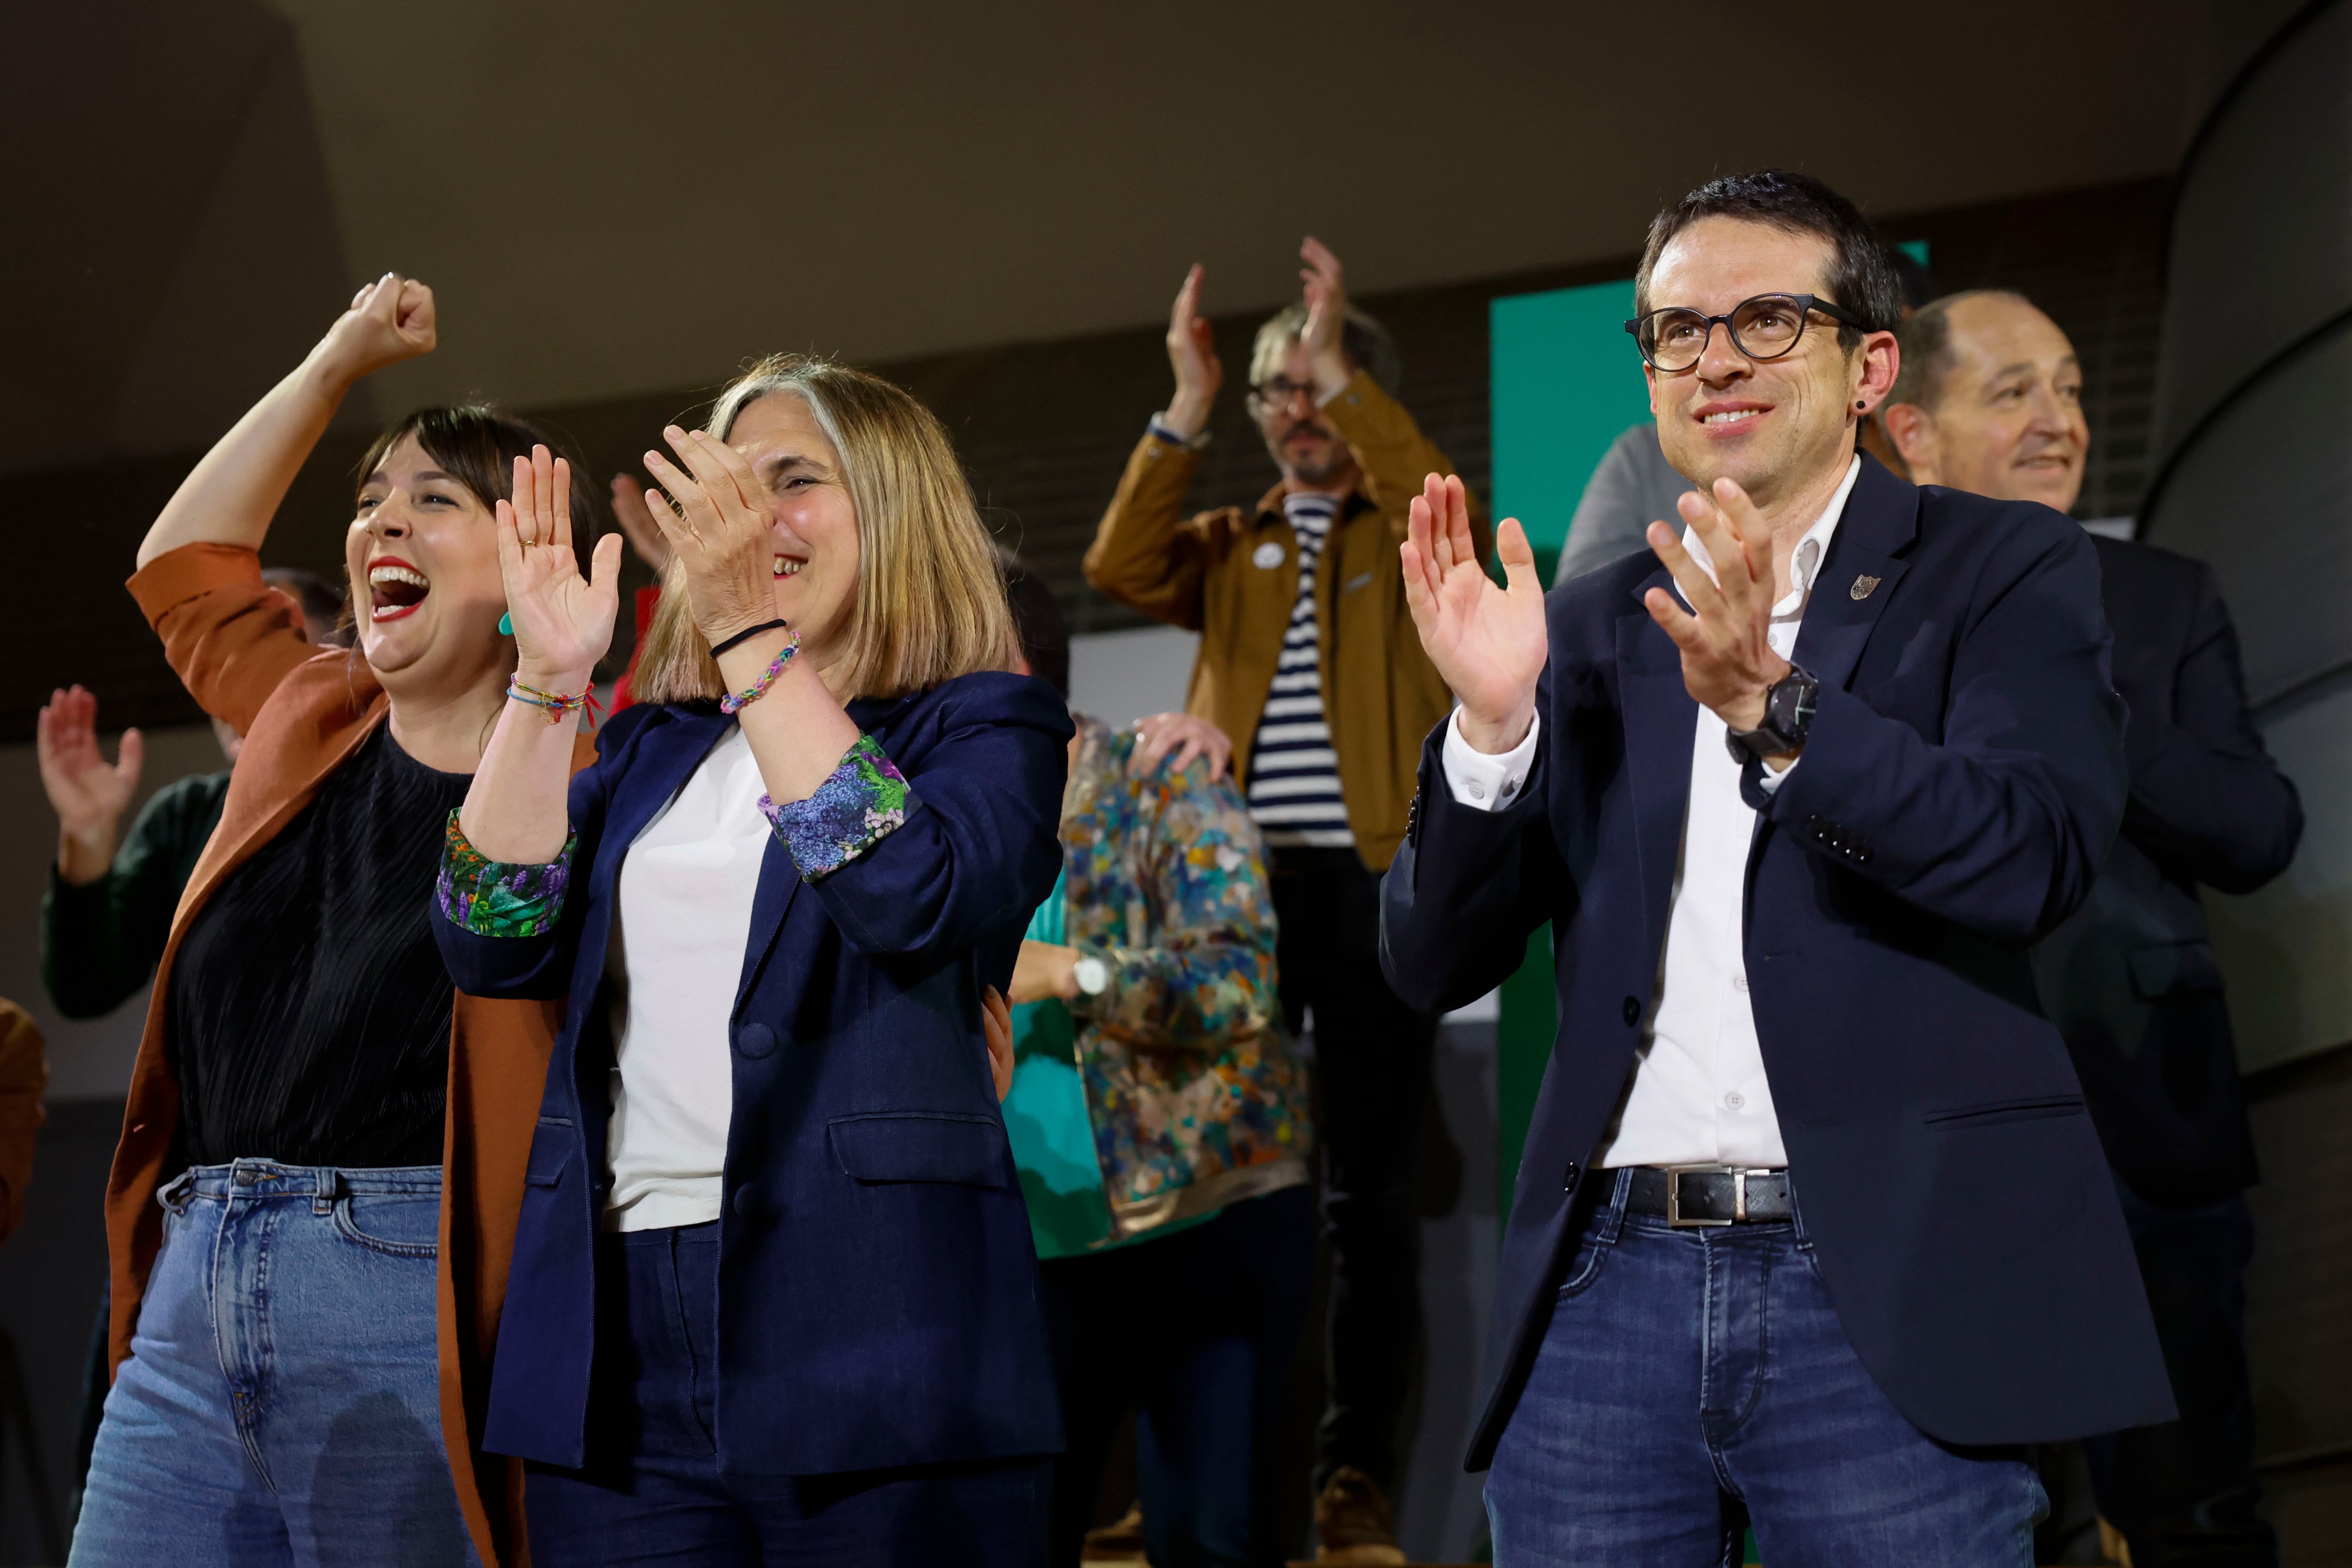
(1862, 402)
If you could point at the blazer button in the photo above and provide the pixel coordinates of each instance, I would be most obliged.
(748, 1203)
(1630, 1011)
(1574, 1174)
(755, 1040)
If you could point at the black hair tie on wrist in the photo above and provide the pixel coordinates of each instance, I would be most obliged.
(746, 634)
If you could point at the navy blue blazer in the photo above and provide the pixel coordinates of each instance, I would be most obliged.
(877, 1296)
(1963, 779)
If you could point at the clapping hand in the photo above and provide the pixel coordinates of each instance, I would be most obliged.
(715, 520)
(390, 320)
(1488, 644)
(1728, 658)
(563, 624)
(1192, 355)
(637, 524)
(89, 793)
(1327, 316)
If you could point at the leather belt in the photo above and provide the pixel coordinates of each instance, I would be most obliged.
(1686, 1197)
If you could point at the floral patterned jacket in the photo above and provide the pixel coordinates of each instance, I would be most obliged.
(1193, 1085)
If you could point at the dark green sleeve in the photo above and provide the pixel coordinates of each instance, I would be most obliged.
(100, 943)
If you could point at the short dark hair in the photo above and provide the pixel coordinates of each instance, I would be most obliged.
(476, 445)
(1925, 347)
(320, 598)
(1861, 278)
(1044, 635)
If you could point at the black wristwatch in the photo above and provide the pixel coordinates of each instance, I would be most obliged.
(1788, 716)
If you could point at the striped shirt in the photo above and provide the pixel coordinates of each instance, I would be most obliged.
(1294, 774)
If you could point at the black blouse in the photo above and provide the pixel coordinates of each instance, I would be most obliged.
(309, 1010)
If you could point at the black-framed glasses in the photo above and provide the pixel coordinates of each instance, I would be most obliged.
(1276, 391)
(1765, 327)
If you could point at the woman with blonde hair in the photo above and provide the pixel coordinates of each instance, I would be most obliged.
(773, 1296)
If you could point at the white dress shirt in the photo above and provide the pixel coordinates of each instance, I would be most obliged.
(1699, 1095)
(675, 961)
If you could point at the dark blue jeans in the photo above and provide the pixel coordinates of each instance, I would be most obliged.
(653, 1491)
(1198, 1329)
(1692, 1380)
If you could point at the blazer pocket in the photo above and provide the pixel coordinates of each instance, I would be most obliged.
(1994, 1112)
(919, 1146)
(551, 1151)
(2174, 969)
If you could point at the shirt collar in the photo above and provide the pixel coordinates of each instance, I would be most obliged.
(1812, 549)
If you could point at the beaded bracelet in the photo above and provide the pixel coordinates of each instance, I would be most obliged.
(736, 701)
(553, 704)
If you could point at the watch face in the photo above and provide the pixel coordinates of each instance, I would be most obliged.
(1092, 976)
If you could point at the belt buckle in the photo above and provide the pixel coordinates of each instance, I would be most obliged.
(1675, 1174)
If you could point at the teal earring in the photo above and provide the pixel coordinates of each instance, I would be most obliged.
(506, 626)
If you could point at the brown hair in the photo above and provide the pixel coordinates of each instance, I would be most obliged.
(476, 445)
(1926, 345)
(931, 601)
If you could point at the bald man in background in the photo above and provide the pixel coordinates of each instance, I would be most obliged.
(1989, 400)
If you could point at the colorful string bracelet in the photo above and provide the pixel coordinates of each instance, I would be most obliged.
(553, 704)
(736, 701)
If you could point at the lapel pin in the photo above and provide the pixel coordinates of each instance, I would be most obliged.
(1864, 588)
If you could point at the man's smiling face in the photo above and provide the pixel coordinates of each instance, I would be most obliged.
(1770, 424)
(2006, 418)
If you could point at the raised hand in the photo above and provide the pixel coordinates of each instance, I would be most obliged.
(390, 320)
(1187, 736)
(715, 520)
(563, 624)
(89, 793)
(1327, 316)
(637, 521)
(1488, 644)
(1728, 658)
(1192, 354)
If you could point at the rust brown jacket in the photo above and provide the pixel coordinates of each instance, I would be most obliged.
(23, 1074)
(238, 644)
(1381, 694)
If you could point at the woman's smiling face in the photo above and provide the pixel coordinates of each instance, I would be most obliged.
(811, 521)
(423, 555)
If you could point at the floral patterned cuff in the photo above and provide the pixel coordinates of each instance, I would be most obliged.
(490, 898)
(862, 801)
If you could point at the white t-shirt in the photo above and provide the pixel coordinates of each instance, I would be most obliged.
(675, 959)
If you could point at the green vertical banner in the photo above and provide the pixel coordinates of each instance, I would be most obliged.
(1566, 383)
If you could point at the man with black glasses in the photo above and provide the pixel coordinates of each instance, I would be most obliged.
(1811, 1230)
(1308, 660)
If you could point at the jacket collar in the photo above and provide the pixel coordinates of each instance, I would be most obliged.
(1854, 583)
(1269, 505)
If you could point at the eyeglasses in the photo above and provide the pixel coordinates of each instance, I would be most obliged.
(1766, 327)
(1276, 391)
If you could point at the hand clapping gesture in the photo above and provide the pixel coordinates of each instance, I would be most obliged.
(1327, 316)
(89, 793)
(563, 624)
(1488, 643)
(1728, 658)
(715, 521)
(1192, 355)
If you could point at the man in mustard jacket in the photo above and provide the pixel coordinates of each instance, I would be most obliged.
(1308, 660)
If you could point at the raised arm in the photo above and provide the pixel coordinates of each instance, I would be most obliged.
(230, 496)
(1146, 554)
(1395, 457)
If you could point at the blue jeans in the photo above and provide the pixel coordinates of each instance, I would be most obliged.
(282, 1401)
(1692, 1381)
(653, 1492)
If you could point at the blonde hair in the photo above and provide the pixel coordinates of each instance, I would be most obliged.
(931, 601)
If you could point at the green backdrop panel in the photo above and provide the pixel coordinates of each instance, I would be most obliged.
(1564, 383)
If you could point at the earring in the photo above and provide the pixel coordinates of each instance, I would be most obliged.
(1862, 402)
